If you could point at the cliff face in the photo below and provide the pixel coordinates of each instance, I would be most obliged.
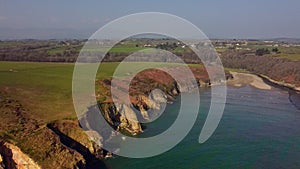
(125, 117)
(2, 166)
(35, 141)
(128, 119)
(14, 158)
(62, 144)
(149, 90)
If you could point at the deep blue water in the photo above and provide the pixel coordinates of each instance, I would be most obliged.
(259, 129)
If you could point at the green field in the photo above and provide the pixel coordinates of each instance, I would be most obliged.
(236, 70)
(43, 88)
(57, 50)
(291, 53)
(46, 88)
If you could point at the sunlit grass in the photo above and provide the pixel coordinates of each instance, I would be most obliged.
(46, 88)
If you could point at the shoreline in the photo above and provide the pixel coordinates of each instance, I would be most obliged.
(285, 86)
(265, 83)
(242, 79)
(259, 81)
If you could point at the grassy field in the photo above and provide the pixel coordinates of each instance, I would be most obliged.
(291, 53)
(236, 70)
(57, 50)
(46, 88)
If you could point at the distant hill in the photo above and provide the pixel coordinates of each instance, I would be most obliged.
(288, 40)
(43, 34)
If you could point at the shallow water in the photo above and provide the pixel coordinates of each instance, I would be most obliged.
(259, 129)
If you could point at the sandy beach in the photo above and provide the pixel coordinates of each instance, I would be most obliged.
(241, 79)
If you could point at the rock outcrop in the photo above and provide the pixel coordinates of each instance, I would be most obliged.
(34, 139)
(14, 158)
(2, 166)
(128, 107)
(128, 119)
(148, 92)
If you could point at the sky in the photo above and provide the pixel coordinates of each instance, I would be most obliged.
(46, 19)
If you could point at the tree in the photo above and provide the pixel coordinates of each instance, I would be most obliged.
(262, 51)
(275, 50)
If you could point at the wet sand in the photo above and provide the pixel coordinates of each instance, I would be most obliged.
(242, 79)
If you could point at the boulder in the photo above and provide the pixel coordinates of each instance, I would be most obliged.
(15, 158)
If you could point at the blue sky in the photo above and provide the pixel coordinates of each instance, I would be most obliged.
(216, 18)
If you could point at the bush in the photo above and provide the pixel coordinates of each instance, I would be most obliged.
(263, 51)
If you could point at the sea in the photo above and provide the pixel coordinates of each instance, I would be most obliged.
(259, 129)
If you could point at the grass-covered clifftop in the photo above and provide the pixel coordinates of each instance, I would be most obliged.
(37, 109)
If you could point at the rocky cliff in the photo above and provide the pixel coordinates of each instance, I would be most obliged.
(14, 158)
(23, 138)
(125, 117)
(62, 144)
(149, 90)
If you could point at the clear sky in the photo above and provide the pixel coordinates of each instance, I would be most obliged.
(216, 18)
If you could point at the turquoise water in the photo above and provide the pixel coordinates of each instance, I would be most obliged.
(259, 129)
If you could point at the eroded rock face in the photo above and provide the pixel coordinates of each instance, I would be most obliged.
(131, 117)
(144, 113)
(123, 109)
(149, 102)
(127, 118)
(149, 92)
(15, 158)
(123, 116)
(44, 146)
(2, 166)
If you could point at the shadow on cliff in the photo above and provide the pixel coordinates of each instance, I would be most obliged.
(7, 156)
(91, 161)
(294, 98)
(93, 120)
